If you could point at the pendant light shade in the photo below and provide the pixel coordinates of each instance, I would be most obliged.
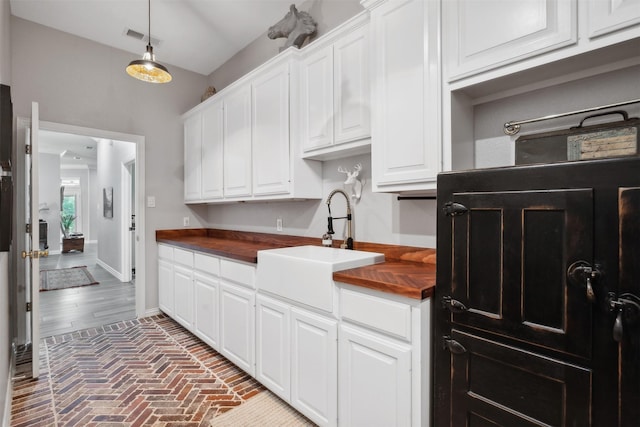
(147, 69)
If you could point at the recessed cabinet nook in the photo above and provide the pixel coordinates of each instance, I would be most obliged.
(417, 84)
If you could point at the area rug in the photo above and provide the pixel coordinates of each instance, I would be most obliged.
(265, 409)
(65, 278)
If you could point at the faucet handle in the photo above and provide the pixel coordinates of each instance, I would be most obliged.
(327, 240)
(330, 226)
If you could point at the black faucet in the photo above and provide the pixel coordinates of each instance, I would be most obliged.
(348, 244)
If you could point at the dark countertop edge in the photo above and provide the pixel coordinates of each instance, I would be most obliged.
(395, 255)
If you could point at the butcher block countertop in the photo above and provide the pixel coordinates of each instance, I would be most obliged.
(407, 271)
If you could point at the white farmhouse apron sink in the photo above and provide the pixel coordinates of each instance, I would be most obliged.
(305, 273)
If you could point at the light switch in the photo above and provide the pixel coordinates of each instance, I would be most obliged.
(151, 201)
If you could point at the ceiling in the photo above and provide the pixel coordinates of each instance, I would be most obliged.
(197, 35)
(74, 150)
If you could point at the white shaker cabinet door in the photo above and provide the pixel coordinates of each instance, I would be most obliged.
(375, 379)
(606, 16)
(316, 100)
(481, 35)
(207, 309)
(273, 345)
(237, 326)
(183, 291)
(212, 151)
(192, 158)
(237, 142)
(165, 287)
(314, 367)
(270, 118)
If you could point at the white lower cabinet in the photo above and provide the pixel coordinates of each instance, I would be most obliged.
(207, 315)
(375, 379)
(273, 345)
(183, 283)
(165, 286)
(237, 327)
(314, 366)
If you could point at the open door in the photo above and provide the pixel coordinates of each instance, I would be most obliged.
(32, 252)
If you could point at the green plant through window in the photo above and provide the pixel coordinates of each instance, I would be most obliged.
(68, 215)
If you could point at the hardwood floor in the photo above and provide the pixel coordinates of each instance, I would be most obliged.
(69, 310)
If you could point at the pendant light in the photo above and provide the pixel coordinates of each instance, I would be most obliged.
(147, 69)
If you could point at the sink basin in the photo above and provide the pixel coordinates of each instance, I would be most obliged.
(305, 273)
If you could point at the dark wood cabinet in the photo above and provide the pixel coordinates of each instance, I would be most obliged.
(537, 315)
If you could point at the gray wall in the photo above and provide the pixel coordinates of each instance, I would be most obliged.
(83, 83)
(86, 199)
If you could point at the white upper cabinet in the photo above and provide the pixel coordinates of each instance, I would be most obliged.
(212, 150)
(192, 155)
(406, 129)
(237, 142)
(607, 16)
(501, 37)
(479, 35)
(335, 93)
(270, 125)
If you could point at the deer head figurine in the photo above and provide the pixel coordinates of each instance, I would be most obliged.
(352, 184)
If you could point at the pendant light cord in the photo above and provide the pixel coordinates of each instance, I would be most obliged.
(149, 41)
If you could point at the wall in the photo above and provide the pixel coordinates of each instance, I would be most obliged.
(327, 14)
(94, 205)
(49, 188)
(111, 156)
(83, 83)
(5, 294)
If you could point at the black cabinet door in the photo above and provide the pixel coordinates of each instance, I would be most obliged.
(537, 309)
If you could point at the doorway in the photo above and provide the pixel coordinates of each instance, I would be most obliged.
(87, 221)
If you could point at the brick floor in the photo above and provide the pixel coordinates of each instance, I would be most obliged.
(145, 372)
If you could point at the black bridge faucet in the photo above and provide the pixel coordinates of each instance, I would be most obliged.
(348, 244)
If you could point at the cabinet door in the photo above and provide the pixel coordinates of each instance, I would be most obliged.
(314, 371)
(352, 105)
(192, 157)
(606, 16)
(183, 291)
(237, 143)
(165, 287)
(481, 35)
(316, 100)
(237, 327)
(405, 145)
(375, 379)
(270, 118)
(207, 308)
(212, 152)
(273, 347)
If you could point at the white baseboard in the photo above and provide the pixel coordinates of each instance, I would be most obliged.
(152, 312)
(110, 269)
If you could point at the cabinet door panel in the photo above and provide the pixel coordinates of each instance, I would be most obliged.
(237, 143)
(316, 100)
(375, 380)
(480, 35)
(212, 153)
(192, 158)
(207, 309)
(352, 87)
(237, 327)
(271, 132)
(314, 367)
(606, 16)
(511, 252)
(183, 282)
(273, 349)
(165, 287)
(490, 377)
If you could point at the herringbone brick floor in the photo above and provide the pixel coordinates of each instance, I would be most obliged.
(144, 372)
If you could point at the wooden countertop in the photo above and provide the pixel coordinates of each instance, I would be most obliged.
(408, 271)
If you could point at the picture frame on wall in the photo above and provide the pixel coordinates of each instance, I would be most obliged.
(107, 202)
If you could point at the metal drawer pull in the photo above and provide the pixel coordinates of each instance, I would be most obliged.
(453, 305)
(452, 345)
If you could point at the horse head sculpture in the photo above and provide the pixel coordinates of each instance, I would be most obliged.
(296, 26)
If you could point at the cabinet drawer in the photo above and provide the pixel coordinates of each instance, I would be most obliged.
(391, 317)
(165, 252)
(183, 257)
(207, 264)
(243, 274)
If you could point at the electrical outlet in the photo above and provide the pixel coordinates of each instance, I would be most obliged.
(279, 224)
(151, 201)
(185, 221)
